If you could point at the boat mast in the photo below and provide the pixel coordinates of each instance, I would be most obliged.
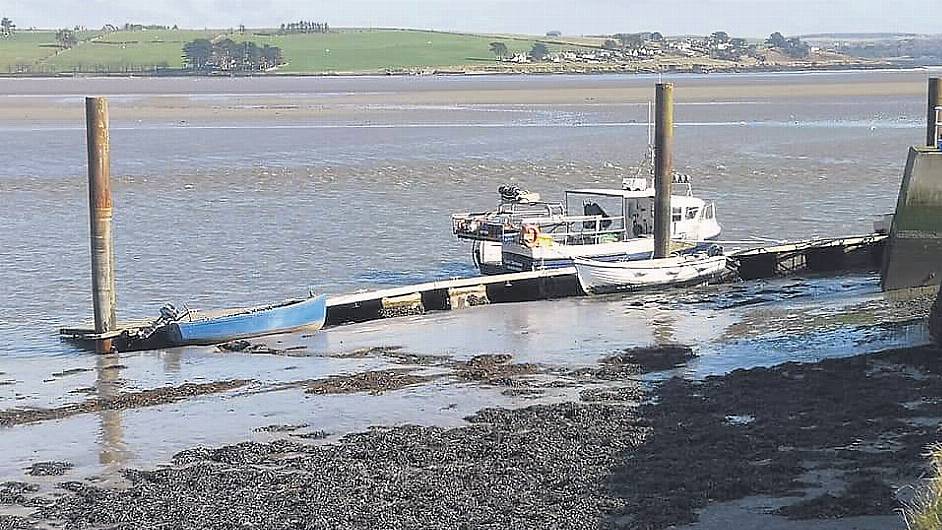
(647, 161)
(650, 126)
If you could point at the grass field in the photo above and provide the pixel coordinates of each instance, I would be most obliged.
(340, 51)
(122, 51)
(25, 48)
(383, 49)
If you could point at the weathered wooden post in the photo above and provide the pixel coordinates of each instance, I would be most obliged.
(935, 101)
(663, 167)
(100, 215)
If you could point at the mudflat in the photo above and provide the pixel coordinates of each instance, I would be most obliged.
(837, 439)
(312, 98)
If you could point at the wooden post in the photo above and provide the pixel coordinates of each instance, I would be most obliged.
(935, 100)
(100, 215)
(663, 167)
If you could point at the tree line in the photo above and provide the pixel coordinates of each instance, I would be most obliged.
(538, 52)
(791, 46)
(305, 26)
(226, 55)
(66, 38)
(7, 27)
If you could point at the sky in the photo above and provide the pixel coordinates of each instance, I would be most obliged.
(747, 18)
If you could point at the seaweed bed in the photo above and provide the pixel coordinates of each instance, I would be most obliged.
(123, 401)
(643, 463)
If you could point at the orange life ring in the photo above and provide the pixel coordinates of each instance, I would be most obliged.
(531, 234)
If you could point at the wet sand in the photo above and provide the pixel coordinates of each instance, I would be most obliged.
(601, 425)
(837, 439)
(313, 99)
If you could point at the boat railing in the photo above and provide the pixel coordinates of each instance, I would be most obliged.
(504, 223)
(482, 227)
(580, 229)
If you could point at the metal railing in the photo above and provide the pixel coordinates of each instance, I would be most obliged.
(572, 229)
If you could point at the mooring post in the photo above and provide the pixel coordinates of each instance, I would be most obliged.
(935, 101)
(100, 215)
(663, 167)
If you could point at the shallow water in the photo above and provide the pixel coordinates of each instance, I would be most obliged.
(225, 211)
(728, 328)
(230, 210)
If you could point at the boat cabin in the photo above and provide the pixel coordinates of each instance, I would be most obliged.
(599, 215)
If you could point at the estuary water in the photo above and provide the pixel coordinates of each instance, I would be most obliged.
(234, 191)
(231, 192)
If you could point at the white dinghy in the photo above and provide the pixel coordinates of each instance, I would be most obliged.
(598, 277)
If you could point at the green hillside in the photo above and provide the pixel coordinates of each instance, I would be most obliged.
(26, 48)
(339, 51)
(127, 51)
(377, 50)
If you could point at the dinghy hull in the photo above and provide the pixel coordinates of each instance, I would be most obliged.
(295, 315)
(597, 277)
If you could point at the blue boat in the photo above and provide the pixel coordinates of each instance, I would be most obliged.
(196, 328)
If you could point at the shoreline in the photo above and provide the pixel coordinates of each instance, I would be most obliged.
(456, 71)
(840, 439)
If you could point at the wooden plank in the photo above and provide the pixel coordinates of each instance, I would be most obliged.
(90, 335)
(88, 328)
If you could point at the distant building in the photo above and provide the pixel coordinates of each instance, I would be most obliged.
(519, 58)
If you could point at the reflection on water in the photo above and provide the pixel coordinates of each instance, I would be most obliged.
(113, 454)
(664, 329)
(171, 360)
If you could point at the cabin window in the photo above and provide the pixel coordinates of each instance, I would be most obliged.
(677, 214)
(708, 212)
(692, 213)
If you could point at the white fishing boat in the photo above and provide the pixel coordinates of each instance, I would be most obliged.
(595, 223)
(604, 224)
(597, 277)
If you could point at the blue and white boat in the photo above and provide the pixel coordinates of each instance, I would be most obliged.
(214, 327)
(601, 224)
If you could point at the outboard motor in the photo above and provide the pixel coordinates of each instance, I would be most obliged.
(169, 313)
(509, 193)
(715, 250)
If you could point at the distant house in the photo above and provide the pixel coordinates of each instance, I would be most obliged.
(519, 58)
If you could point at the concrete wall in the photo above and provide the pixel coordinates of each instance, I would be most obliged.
(913, 257)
